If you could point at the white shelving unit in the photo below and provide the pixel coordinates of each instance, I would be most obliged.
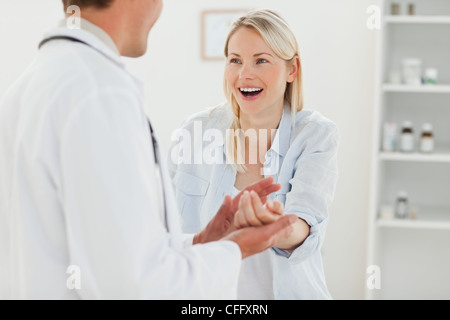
(413, 254)
(417, 19)
(443, 157)
(387, 87)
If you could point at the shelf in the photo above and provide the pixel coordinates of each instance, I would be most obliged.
(428, 218)
(402, 19)
(387, 87)
(414, 224)
(415, 157)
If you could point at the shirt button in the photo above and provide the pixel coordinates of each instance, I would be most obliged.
(277, 293)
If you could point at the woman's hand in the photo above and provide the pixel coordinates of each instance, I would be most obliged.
(263, 188)
(251, 211)
(223, 222)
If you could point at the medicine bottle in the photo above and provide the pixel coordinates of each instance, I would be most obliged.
(407, 137)
(401, 205)
(431, 76)
(427, 138)
(395, 9)
(411, 9)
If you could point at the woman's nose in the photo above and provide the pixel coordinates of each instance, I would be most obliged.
(246, 72)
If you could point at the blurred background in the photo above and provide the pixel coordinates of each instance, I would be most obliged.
(339, 59)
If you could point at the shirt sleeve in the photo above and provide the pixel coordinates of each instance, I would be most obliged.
(313, 184)
(113, 222)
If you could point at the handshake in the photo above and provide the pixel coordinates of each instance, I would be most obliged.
(251, 221)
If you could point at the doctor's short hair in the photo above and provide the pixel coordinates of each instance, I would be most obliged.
(99, 4)
(281, 39)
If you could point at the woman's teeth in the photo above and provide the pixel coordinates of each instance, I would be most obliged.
(250, 91)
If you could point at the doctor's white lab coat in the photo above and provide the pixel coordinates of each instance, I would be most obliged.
(81, 211)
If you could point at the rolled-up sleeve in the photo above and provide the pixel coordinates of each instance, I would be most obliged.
(313, 184)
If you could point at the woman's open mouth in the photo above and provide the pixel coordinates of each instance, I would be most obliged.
(250, 92)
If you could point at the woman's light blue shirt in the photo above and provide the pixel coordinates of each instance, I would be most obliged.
(302, 158)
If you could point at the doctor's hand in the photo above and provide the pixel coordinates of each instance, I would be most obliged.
(223, 222)
(252, 212)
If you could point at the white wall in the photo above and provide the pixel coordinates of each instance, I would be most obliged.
(337, 52)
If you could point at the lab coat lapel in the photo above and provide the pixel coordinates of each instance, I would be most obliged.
(171, 211)
(172, 216)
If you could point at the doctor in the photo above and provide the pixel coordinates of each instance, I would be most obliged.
(85, 204)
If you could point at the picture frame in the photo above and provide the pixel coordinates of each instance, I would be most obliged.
(215, 27)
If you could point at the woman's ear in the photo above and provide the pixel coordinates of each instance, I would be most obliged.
(294, 68)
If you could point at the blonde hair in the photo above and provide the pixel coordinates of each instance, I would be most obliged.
(279, 37)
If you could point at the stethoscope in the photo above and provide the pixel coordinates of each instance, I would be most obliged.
(154, 141)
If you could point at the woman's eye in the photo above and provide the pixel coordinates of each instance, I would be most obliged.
(234, 60)
(261, 61)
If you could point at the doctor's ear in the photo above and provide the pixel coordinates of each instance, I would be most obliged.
(294, 68)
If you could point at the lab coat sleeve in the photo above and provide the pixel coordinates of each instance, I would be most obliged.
(114, 229)
(313, 184)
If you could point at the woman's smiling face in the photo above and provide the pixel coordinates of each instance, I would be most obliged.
(255, 74)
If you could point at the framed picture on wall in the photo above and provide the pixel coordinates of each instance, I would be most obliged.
(215, 27)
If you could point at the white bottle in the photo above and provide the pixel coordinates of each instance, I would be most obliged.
(389, 137)
(401, 205)
(431, 76)
(427, 138)
(407, 137)
(412, 71)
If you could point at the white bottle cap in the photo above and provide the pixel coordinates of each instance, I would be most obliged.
(431, 73)
(402, 194)
(414, 62)
(427, 127)
(407, 124)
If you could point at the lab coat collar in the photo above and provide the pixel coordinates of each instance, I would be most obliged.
(92, 35)
(95, 30)
(99, 40)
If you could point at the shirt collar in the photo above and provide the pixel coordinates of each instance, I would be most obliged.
(91, 34)
(280, 143)
(96, 31)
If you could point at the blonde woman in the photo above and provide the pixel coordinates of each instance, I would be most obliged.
(262, 131)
